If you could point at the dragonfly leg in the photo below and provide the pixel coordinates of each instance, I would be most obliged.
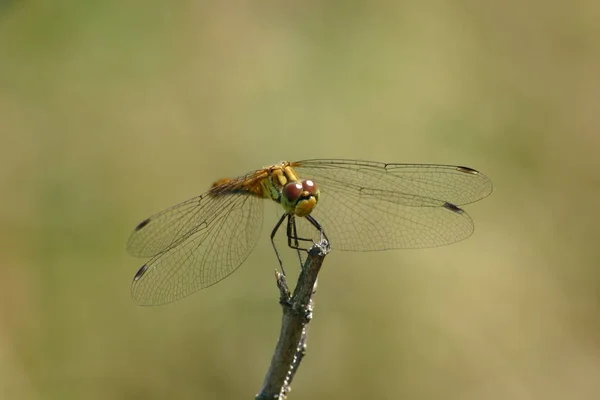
(317, 225)
(273, 233)
(292, 233)
(293, 239)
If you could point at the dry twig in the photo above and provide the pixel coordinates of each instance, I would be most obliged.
(297, 313)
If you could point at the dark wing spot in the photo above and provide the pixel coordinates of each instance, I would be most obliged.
(467, 170)
(140, 273)
(453, 208)
(142, 224)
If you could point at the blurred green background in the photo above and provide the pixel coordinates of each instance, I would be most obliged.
(113, 110)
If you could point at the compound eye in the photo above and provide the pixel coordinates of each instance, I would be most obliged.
(292, 191)
(310, 187)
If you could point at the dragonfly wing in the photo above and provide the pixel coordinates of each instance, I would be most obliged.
(166, 229)
(376, 206)
(207, 239)
(172, 226)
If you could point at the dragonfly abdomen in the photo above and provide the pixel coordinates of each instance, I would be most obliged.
(236, 186)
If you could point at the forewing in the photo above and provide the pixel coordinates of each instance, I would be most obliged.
(375, 206)
(174, 225)
(205, 251)
(169, 227)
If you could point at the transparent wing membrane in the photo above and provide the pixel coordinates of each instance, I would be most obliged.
(194, 245)
(375, 206)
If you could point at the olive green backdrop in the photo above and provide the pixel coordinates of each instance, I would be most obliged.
(113, 110)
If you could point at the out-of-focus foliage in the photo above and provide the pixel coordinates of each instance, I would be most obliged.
(112, 110)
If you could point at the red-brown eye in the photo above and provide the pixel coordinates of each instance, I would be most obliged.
(310, 187)
(292, 191)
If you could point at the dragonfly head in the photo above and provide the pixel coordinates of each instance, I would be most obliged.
(300, 197)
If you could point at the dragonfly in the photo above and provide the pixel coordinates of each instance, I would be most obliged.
(355, 205)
